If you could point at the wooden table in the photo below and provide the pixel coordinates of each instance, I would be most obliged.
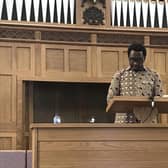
(100, 145)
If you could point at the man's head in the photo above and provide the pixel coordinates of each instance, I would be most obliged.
(136, 56)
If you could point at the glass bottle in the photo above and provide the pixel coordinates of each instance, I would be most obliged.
(92, 119)
(56, 119)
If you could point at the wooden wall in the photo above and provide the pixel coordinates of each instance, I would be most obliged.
(40, 53)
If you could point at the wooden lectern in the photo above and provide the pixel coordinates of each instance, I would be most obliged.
(99, 145)
(124, 104)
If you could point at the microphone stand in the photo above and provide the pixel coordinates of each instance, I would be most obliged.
(151, 98)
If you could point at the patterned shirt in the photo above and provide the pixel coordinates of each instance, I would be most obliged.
(130, 83)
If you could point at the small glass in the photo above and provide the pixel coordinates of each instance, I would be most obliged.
(56, 119)
(92, 119)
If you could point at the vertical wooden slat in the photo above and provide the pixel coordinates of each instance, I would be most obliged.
(118, 3)
(138, 11)
(28, 8)
(9, 8)
(146, 40)
(19, 120)
(78, 13)
(19, 4)
(36, 9)
(4, 11)
(131, 12)
(66, 60)
(14, 143)
(52, 4)
(124, 8)
(1, 4)
(160, 7)
(108, 13)
(112, 11)
(59, 4)
(37, 59)
(43, 60)
(31, 109)
(94, 59)
(94, 55)
(72, 8)
(25, 118)
(32, 61)
(89, 63)
(152, 6)
(44, 7)
(13, 100)
(6, 114)
(34, 148)
(145, 12)
(65, 2)
(166, 5)
(19, 103)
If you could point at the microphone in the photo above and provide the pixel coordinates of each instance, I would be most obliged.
(151, 98)
(153, 103)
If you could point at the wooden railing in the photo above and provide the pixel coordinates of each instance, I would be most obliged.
(107, 13)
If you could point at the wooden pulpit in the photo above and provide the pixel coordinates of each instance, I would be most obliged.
(124, 104)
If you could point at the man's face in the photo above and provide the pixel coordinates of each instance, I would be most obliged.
(136, 60)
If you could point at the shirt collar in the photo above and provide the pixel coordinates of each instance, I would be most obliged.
(128, 68)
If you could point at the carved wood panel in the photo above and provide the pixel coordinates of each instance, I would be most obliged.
(7, 111)
(77, 60)
(110, 60)
(160, 57)
(62, 61)
(160, 64)
(55, 59)
(25, 59)
(6, 57)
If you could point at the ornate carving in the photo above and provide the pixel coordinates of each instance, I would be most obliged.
(16, 34)
(93, 16)
(94, 2)
(65, 36)
(159, 40)
(117, 38)
(44, 35)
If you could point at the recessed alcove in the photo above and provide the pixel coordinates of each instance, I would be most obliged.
(74, 102)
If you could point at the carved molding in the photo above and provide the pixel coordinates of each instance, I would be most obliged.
(159, 40)
(65, 36)
(93, 16)
(119, 38)
(16, 34)
(77, 36)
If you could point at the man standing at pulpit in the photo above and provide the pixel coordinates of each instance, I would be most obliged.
(137, 80)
